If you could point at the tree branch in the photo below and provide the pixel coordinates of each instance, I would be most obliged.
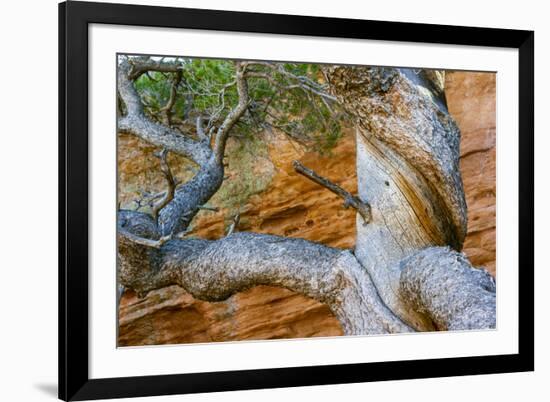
(169, 195)
(176, 215)
(143, 241)
(431, 288)
(234, 115)
(137, 123)
(442, 284)
(189, 197)
(361, 207)
(215, 270)
(141, 65)
(234, 223)
(167, 109)
(304, 83)
(201, 134)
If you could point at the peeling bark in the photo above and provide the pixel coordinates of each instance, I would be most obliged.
(408, 150)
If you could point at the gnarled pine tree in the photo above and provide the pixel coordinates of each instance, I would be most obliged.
(406, 272)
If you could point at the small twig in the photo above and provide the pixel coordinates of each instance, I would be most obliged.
(200, 130)
(234, 115)
(150, 242)
(167, 109)
(208, 208)
(169, 196)
(234, 224)
(361, 207)
(139, 204)
(147, 73)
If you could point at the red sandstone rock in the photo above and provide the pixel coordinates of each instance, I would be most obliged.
(471, 98)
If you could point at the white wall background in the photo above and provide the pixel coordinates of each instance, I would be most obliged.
(28, 201)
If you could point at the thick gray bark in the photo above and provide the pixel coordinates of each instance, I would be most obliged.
(137, 123)
(442, 284)
(188, 199)
(215, 270)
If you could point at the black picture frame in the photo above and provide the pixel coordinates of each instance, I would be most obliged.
(74, 381)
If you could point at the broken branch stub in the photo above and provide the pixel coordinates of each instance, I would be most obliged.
(350, 200)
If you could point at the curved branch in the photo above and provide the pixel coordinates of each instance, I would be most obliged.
(215, 270)
(397, 112)
(201, 134)
(302, 82)
(137, 123)
(143, 241)
(234, 115)
(175, 216)
(441, 283)
(141, 65)
(169, 196)
(189, 198)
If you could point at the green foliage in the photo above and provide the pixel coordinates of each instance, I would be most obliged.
(278, 102)
(282, 96)
(304, 116)
(198, 91)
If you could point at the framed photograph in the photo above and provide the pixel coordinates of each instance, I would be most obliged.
(259, 201)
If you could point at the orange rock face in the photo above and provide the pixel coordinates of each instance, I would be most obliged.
(171, 315)
(293, 206)
(290, 205)
(471, 100)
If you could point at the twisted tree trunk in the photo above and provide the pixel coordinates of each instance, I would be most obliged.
(408, 149)
(406, 272)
